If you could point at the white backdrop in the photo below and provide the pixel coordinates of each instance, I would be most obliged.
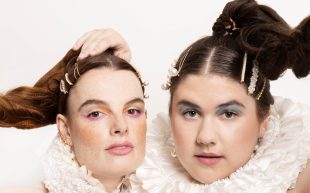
(36, 34)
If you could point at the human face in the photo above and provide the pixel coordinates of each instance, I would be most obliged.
(107, 122)
(215, 126)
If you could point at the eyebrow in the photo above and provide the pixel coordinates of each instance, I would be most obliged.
(188, 104)
(101, 102)
(230, 103)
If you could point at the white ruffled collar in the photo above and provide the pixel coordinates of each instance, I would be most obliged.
(283, 153)
(63, 175)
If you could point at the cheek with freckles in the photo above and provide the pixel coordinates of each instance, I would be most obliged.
(137, 133)
(88, 141)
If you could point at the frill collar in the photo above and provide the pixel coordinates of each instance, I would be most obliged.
(282, 154)
(63, 175)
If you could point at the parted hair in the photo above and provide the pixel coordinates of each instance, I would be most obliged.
(244, 26)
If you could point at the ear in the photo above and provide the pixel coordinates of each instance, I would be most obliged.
(264, 126)
(63, 129)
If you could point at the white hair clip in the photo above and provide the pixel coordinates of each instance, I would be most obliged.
(68, 80)
(173, 71)
(76, 71)
(245, 57)
(144, 83)
(253, 79)
(62, 87)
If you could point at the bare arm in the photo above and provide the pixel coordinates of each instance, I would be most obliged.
(35, 189)
(303, 181)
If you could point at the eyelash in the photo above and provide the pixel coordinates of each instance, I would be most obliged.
(135, 113)
(232, 114)
(187, 114)
(94, 115)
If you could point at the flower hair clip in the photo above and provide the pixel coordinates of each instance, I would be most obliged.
(231, 27)
(173, 71)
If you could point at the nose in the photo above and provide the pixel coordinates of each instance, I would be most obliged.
(207, 134)
(119, 127)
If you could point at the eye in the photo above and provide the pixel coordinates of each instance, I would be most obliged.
(229, 114)
(94, 115)
(191, 114)
(134, 112)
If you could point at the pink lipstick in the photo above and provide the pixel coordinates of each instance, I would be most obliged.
(209, 159)
(120, 149)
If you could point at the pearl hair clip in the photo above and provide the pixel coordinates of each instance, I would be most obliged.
(254, 77)
(62, 85)
(173, 71)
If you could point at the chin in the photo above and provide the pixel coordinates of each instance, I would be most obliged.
(207, 177)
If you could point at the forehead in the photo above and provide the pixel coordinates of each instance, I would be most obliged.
(110, 85)
(210, 89)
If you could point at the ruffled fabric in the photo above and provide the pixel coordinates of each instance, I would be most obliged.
(281, 156)
(63, 175)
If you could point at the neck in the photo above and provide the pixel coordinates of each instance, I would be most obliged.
(110, 183)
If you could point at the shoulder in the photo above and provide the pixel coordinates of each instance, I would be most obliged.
(34, 189)
(302, 184)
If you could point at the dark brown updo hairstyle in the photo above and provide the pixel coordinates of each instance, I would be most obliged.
(37, 106)
(257, 30)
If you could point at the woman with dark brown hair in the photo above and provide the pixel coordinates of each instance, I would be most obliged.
(226, 132)
(98, 106)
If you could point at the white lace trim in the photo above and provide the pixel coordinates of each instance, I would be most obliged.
(63, 175)
(283, 153)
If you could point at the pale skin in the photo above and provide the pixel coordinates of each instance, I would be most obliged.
(111, 113)
(214, 114)
(302, 185)
(100, 115)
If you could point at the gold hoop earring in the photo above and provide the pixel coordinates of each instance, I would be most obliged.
(173, 153)
(65, 140)
(257, 145)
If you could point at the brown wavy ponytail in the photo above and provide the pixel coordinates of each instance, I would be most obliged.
(29, 107)
(37, 106)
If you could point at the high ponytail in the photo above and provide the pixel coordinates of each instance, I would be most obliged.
(266, 37)
(32, 107)
(250, 44)
(300, 54)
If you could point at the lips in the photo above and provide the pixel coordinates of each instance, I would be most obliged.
(209, 159)
(120, 149)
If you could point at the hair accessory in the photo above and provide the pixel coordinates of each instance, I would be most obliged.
(259, 140)
(68, 80)
(173, 72)
(173, 153)
(254, 78)
(262, 90)
(76, 71)
(65, 140)
(245, 57)
(231, 27)
(146, 96)
(62, 87)
(144, 83)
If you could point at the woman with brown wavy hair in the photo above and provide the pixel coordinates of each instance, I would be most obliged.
(98, 106)
(226, 132)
